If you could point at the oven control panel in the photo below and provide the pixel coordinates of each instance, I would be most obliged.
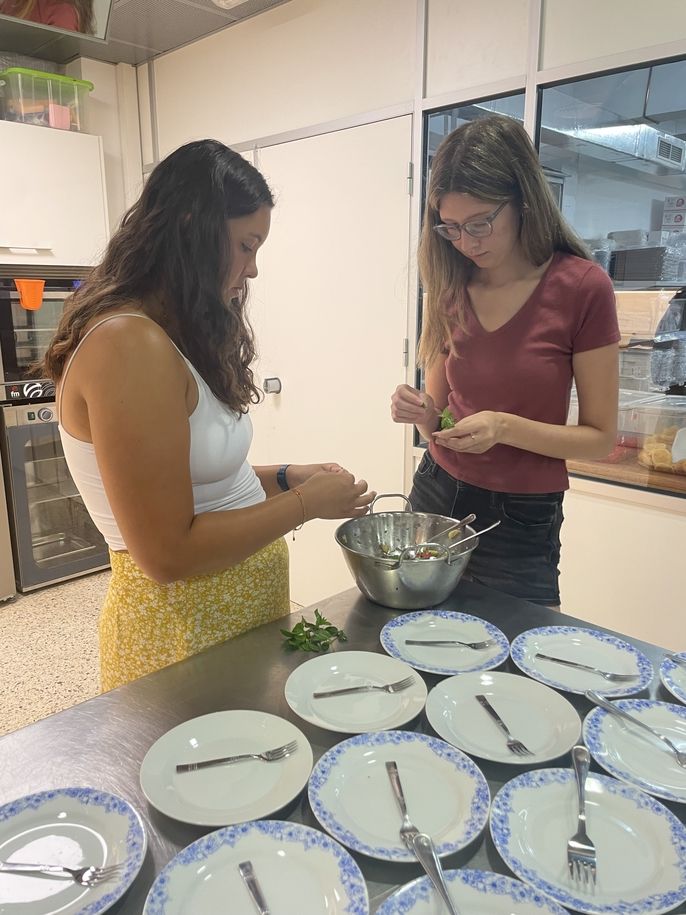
(29, 414)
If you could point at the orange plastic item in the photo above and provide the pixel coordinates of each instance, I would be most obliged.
(30, 293)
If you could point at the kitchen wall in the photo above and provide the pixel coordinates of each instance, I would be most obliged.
(313, 66)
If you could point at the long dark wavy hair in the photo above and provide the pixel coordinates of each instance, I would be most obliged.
(173, 246)
(492, 159)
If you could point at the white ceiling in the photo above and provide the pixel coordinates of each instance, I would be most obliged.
(138, 30)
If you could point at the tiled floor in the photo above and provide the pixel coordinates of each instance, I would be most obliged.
(49, 649)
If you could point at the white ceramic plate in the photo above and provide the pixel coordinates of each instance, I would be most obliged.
(474, 892)
(300, 870)
(351, 795)
(586, 646)
(545, 722)
(629, 753)
(440, 625)
(223, 795)
(673, 676)
(361, 712)
(640, 844)
(76, 827)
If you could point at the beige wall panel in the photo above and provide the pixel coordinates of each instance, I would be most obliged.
(622, 565)
(302, 63)
(471, 44)
(587, 29)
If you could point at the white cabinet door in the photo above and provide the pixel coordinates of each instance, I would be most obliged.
(53, 210)
(330, 312)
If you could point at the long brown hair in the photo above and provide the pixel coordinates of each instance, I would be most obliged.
(492, 159)
(173, 245)
(84, 10)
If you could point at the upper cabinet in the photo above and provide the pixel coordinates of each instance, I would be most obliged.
(54, 210)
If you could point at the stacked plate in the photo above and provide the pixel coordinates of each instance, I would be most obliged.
(351, 795)
(300, 871)
(483, 646)
(580, 659)
(632, 755)
(673, 675)
(641, 866)
(225, 794)
(545, 722)
(355, 710)
(72, 827)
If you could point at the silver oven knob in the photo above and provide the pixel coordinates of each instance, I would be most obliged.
(45, 415)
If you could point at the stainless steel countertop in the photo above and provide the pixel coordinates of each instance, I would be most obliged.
(102, 742)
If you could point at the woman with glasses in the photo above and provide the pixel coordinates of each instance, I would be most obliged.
(515, 311)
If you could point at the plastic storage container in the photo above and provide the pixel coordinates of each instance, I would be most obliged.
(47, 99)
(659, 422)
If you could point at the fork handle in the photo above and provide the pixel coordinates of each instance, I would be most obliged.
(443, 643)
(485, 704)
(425, 852)
(581, 759)
(577, 664)
(612, 709)
(16, 867)
(344, 691)
(220, 761)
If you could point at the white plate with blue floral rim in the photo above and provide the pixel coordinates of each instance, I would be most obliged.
(632, 755)
(75, 827)
(233, 793)
(640, 844)
(673, 675)
(473, 891)
(375, 710)
(546, 723)
(300, 870)
(444, 625)
(585, 646)
(351, 796)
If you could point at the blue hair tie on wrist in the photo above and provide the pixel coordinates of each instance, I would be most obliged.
(281, 477)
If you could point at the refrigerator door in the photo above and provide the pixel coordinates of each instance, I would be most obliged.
(7, 586)
(53, 535)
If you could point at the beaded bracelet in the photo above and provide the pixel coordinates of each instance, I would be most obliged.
(302, 505)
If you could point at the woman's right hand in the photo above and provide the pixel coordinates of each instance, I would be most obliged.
(408, 405)
(335, 494)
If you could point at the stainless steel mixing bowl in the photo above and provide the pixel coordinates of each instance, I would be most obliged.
(402, 581)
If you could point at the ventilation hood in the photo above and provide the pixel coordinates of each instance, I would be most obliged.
(637, 146)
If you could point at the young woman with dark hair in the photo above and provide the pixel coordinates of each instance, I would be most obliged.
(152, 361)
(515, 311)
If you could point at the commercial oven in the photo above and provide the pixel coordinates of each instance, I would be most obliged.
(52, 536)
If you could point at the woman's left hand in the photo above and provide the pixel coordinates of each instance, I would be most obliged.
(473, 434)
(300, 473)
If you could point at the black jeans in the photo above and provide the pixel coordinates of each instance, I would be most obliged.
(521, 555)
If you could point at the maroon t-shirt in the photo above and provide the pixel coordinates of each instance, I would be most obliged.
(525, 368)
(48, 12)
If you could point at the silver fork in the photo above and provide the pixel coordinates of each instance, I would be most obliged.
(446, 642)
(513, 745)
(611, 677)
(612, 709)
(419, 843)
(247, 872)
(581, 853)
(267, 756)
(396, 687)
(85, 876)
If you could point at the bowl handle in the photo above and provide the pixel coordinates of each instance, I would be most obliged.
(390, 495)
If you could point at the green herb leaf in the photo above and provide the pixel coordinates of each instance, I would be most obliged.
(447, 419)
(315, 636)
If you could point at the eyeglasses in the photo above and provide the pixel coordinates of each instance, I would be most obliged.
(477, 228)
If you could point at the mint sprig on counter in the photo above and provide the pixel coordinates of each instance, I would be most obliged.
(313, 636)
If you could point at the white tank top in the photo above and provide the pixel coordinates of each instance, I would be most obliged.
(221, 476)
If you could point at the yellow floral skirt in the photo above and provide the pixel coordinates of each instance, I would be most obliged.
(145, 626)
